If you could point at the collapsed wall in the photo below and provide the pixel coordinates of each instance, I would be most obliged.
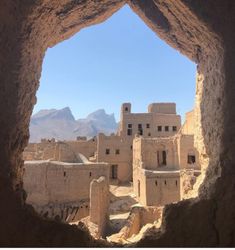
(61, 190)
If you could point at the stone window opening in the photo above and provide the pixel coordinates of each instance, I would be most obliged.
(161, 158)
(129, 132)
(140, 132)
(90, 174)
(183, 48)
(117, 151)
(126, 108)
(114, 172)
(166, 128)
(149, 134)
(129, 125)
(107, 151)
(156, 183)
(176, 183)
(191, 159)
(165, 182)
(174, 128)
(64, 174)
(159, 128)
(138, 188)
(147, 125)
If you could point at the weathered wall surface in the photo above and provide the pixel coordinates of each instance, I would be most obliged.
(201, 30)
(159, 115)
(122, 158)
(55, 151)
(85, 147)
(99, 204)
(61, 190)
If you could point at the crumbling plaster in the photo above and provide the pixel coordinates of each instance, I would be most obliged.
(201, 30)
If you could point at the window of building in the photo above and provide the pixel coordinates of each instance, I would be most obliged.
(174, 128)
(129, 131)
(166, 128)
(138, 188)
(176, 182)
(165, 182)
(147, 125)
(140, 131)
(117, 151)
(64, 173)
(159, 128)
(129, 125)
(164, 157)
(126, 108)
(156, 183)
(149, 134)
(131, 147)
(90, 174)
(107, 151)
(161, 158)
(139, 126)
(114, 172)
(191, 159)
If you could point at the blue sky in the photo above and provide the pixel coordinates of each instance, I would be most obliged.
(120, 60)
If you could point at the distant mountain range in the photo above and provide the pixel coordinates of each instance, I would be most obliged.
(61, 124)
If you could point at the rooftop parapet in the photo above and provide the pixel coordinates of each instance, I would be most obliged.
(162, 108)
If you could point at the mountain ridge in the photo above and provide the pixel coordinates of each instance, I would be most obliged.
(61, 124)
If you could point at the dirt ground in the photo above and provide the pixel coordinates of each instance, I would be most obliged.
(122, 199)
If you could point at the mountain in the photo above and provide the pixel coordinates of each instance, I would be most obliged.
(61, 124)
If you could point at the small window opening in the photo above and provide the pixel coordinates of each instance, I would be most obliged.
(147, 125)
(174, 128)
(90, 174)
(107, 151)
(191, 159)
(126, 108)
(117, 152)
(149, 134)
(167, 128)
(129, 131)
(159, 128)
(114, 172)
(176, 183)
(140, 126)
(156, 183)
(165, 182)
(129, 125)
(140, 132)
(131, 147)
(138, 188)
(64, 173)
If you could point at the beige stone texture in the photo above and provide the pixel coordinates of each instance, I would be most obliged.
(159, 114)
(120, 155)
(202, 31)
(99, 204)
(59, 188)
(157, 166)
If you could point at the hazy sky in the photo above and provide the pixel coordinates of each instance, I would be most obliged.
(120, 60)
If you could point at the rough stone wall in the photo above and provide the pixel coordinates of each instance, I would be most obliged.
(85, 147)
(123, 159)
(163, 116)
(60, 190)
(55, 151)
(99, 204)
(201, 30)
